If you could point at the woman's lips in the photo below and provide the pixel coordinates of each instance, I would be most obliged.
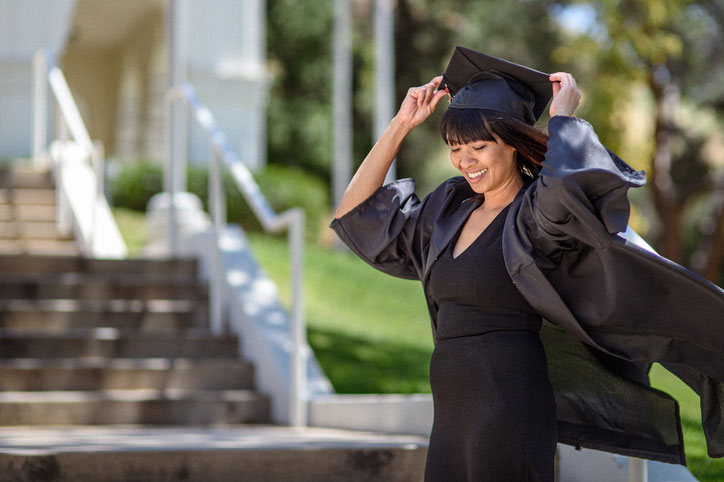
(476, 176)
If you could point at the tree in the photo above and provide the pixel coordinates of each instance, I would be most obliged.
(675, 46)
(671, 51)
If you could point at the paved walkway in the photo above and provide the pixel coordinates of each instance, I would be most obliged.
(217, 454)
(43, 440)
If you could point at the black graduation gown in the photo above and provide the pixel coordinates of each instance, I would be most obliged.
(614, 306)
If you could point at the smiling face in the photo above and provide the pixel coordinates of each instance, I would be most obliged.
(488, 166)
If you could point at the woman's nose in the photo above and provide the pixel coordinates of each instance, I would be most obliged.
(467, 160)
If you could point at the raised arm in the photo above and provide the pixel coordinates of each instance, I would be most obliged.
(417, 106)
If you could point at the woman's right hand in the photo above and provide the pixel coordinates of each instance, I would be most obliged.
(420, 102)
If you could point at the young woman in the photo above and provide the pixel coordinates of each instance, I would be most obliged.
(529, 231)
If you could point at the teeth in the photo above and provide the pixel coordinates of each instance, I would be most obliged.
(473, 175)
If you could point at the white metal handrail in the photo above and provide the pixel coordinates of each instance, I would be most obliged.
(222, 155)
(47, 73)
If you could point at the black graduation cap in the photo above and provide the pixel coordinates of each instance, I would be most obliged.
(479, 81)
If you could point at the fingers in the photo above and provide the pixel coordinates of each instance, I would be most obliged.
(420, 102)
(436, 98)
(426, 93)
(564, 79)
(566, 95)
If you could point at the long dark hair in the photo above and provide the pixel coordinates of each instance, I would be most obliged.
(462, 126)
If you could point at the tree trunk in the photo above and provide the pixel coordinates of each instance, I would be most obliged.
(707, 260)
(666, 201)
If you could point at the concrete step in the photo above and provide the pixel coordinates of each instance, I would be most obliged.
(87, 286)
(279, 454)
(57, 316)
(143, 406)
(25, 177)
(22, 248)
(110, 343)
(77, 264)
(28, 212)
(124, 374)
(29, 196)
(32, 230)
(7, 211)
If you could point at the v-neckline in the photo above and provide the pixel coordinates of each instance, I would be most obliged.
(454, 241)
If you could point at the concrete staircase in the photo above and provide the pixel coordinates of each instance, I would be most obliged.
(87, 341)
(27, 214)
(115, 342)
(108, 371)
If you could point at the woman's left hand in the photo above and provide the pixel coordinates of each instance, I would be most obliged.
(565, 94)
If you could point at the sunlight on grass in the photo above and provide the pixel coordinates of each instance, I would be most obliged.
(360, 320)
(132, 225)
(698, 461)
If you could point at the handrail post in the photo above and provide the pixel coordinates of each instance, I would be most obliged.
(218, 215)
(55, 112)
(40, 106)
(298, 395)
(637, 470)
(169, 173)
(97, 163)
(292, 220)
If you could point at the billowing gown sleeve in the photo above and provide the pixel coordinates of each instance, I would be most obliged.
(567, 259)
(385, 230)
(582, 190)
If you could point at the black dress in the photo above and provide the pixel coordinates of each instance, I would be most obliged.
(495, 416)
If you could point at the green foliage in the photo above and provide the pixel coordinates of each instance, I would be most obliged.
(299, 110)
(135, 184)
(284, 188)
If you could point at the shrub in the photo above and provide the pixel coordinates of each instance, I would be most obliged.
(134, 185)
(283, 186)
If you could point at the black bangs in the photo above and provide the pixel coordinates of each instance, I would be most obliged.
(462, 126)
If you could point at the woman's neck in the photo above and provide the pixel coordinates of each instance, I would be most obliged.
(500, 197)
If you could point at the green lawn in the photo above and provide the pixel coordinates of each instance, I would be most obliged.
(371, 332)
(132, 225)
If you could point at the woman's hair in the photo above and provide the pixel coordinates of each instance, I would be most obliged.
(462, 126)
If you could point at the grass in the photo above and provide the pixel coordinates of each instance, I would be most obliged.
(132, 225)
(360, 320)
(703, 467)
(371, 332)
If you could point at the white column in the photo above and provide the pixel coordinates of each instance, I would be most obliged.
(227, 66)
(342, 100)
(40, 108)
(25, 27)
(385, 71)
(176, 26)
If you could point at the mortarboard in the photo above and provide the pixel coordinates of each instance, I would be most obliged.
(479, 81)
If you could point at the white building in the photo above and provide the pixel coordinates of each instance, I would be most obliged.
(114, 56)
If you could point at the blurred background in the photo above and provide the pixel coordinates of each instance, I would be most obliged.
(652, 75)
(301, 90)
